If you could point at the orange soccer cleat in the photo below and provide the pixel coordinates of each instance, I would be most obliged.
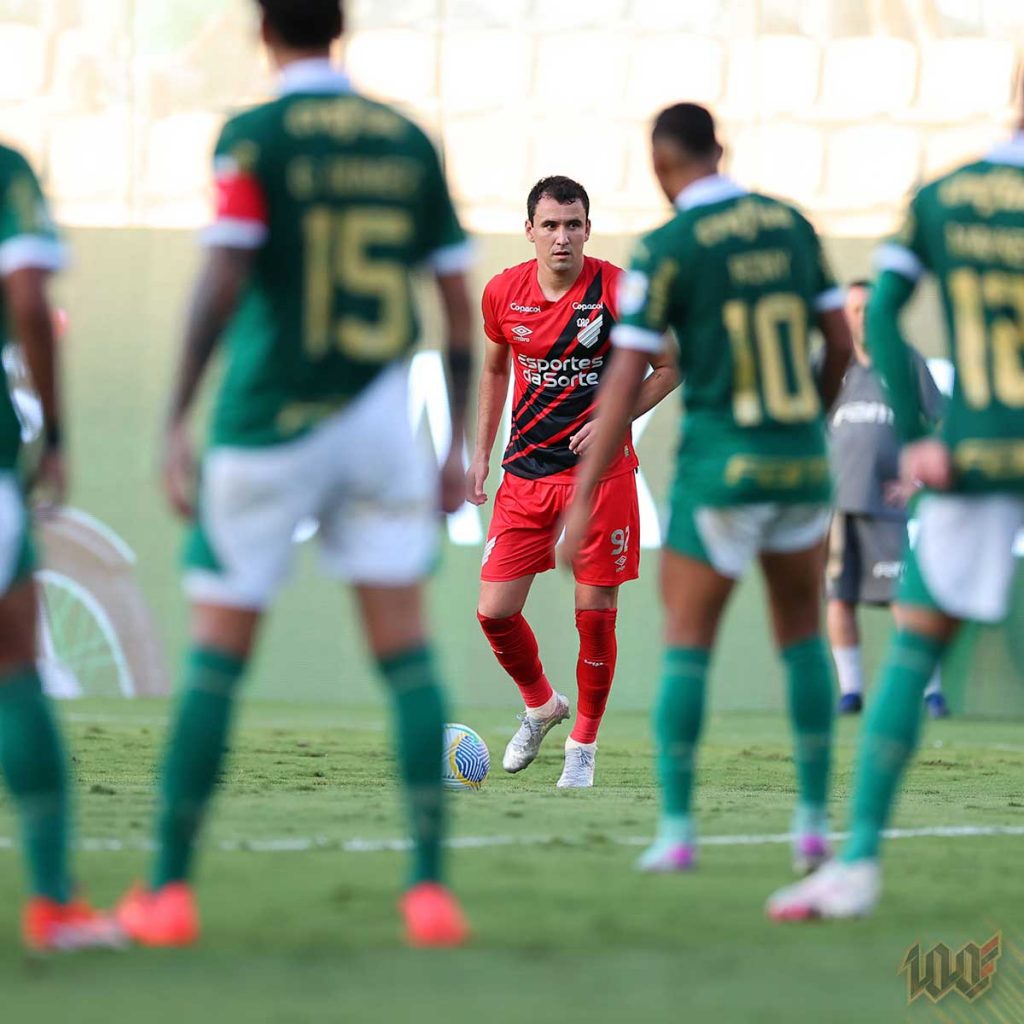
(164, 917)
(51, 927)
(433, 917)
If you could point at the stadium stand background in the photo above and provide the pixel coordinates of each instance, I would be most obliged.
(842, 105)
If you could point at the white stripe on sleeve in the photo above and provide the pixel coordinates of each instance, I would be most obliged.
(232, 233)
(834, 298)
(36, 251)
(638, 338)
(900, 260)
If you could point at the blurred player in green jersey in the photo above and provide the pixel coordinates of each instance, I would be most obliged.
(326, 204)
(31, 755)
(967, 229)
(741, 278)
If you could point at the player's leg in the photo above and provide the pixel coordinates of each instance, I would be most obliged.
(395, 628)
(794, 597)
(520, 544)
(960, 569)
(609, 557)
(843, 579)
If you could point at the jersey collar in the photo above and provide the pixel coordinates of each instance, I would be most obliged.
(715, 188)
(1009, 152)
(316, 75)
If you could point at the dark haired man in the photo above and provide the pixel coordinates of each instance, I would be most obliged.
(326, 202)
(869, 528)
(741, 278)
(549, 321)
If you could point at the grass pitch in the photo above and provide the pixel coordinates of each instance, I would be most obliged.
(298, 884)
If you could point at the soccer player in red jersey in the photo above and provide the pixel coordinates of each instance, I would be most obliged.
(549, 321)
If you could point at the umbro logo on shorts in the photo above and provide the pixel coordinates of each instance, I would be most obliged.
(521, 332)
(588, 337)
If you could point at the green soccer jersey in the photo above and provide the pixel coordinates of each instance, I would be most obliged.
(967, 229)
(28, 239)
(740, 278)
(343, 198)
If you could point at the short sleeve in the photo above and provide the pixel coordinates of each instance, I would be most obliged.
(241, 218)
(828, 296)
(28, 235)
(644, 298)
(904, 253)
(442, 244)
(489, 309)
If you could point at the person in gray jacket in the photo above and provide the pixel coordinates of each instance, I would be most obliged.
(869, 530)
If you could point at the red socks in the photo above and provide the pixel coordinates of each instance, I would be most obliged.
(515, 647)
(594, 671)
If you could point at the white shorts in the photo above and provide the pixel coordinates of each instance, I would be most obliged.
(360, 474)
(729, 538)
(964, 553)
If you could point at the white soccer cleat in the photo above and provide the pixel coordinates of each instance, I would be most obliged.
(810, 852)
(525, 744)
(578, 772)
(837, 890)
(667, 856)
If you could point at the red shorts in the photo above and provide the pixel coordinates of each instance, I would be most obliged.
(527, 520)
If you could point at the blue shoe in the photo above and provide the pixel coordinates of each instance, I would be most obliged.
(851, 704)
(936, 705)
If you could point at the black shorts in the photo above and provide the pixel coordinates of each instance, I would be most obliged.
(865, 558)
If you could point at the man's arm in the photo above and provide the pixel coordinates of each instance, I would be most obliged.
(491, 397)
(455, 306)
(838, 349)
(214, 301)
(32, 324)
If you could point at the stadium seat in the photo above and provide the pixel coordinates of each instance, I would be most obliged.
(557, 78)
(364, 14)
(786, 160)
(470, 148)
(24, 125)
(481, 70)
(177, 156)
(572, 14)
(871, 165)
(945, 149)
(867, 76)
(394, 65)
(91, 167)
(593, 152)
(665, 69)
(771, 75)
(23, 66)
(961, 77)
(484, 14)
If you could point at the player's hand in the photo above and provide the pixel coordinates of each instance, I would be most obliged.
(475, 477)
(179, 470)
(453, 486)
(581, 440)
(575, 527)
(929, 463)
(897, 493)
(50, 484)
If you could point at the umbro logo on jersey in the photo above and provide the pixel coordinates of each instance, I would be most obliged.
(588, 337)
(521, 332)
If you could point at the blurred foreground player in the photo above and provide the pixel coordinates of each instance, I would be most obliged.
(869, 528)
(742, 279)
(965, 228)
(327, 202)
(32, 758)
(548, 321)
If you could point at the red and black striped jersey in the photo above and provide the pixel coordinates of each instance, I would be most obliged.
(559, 352)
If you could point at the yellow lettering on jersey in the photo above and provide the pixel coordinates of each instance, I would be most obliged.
(763, 266)
(774, 473)
(744, 220)
(995, 459)
(986, 244)
(343, 119)
(989, 192)
(340, 177)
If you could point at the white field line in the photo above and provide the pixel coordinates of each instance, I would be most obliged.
(305, 844)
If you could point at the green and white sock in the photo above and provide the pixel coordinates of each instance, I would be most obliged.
(195, 753)
(32, 762)
(890, 737)
(419, 718)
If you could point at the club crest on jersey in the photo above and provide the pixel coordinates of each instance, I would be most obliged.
(591, 330)
(521, 332)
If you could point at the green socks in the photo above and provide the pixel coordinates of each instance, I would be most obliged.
(419, 718)
(890, 736)
(678, 718)
(811, 699)
(195, 753)
(32, 762)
